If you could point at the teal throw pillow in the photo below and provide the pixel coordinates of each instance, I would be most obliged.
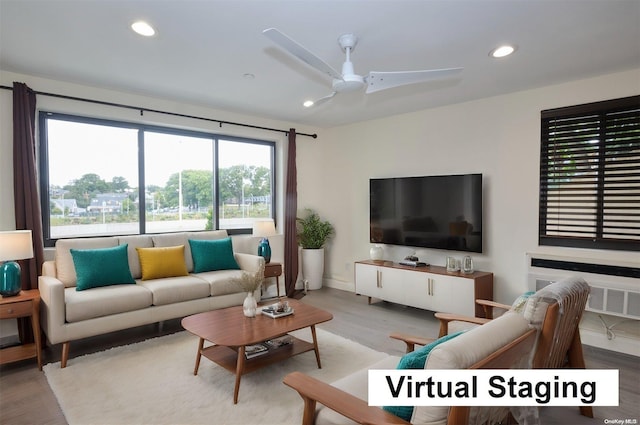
(101, 267)
(210, 255)
(416, 360)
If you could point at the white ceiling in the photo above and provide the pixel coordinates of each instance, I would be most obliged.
(203, 48)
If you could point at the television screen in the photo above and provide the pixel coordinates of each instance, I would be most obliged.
(442, 212)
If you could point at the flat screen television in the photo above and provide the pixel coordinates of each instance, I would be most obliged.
(441, 212)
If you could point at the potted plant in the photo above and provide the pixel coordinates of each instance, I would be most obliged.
(313, 233)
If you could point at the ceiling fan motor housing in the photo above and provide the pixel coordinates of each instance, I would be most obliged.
(350, 81)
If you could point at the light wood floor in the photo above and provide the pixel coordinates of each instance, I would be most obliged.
(25, 396)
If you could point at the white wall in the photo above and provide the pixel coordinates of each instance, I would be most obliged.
(499, 137)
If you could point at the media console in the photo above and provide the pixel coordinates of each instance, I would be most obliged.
(431, 287)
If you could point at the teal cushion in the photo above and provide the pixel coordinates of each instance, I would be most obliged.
(210, 255)
(416, 360)
(101, 267)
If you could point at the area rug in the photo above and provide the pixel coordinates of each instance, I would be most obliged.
(152, 382)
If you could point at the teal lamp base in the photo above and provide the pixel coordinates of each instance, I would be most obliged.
(10, 279)
(264, 250)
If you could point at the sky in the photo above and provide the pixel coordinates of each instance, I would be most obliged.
(76, 149)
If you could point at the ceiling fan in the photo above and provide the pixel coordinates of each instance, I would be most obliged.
(348, 80)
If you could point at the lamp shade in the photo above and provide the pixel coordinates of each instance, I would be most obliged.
(15, 245)
(264, 228)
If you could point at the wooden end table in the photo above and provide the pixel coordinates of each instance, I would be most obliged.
(273, 270)
(230, 331)
(25, 304)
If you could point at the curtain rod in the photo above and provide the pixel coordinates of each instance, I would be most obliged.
(142, 110)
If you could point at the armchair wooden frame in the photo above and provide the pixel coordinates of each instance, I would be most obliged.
(314, 391)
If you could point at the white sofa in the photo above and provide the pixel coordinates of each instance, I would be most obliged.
(69, 314)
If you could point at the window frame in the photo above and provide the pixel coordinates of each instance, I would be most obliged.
(568, 119)
(43, 167)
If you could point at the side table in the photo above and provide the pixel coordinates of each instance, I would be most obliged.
(273, 270)
(25, 304)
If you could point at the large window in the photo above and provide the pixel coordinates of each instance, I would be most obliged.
(101, 177)
(590, 175)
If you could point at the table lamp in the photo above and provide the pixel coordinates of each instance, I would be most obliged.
(264, 229)
(14, 245)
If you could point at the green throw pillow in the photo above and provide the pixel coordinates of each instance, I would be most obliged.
(101, 267)
(210, 255)
(416, 360)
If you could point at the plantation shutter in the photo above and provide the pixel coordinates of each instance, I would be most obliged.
(590, 175)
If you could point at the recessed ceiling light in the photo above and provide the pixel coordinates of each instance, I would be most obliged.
(502, 51)
(308, 103)
(143, 28)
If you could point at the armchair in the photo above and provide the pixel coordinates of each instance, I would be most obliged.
(556, 311)
(500, 344)
(548, 326)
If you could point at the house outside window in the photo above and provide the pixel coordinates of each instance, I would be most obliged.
(590, 176)
(102, 178)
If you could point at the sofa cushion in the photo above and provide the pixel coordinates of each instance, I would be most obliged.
(175, 239)
(133, 242)
(176, 289)
(157, 263)
(467, 349)
(210, 255)
(101, 267)
(65, 269)
(220, 281)
(104, 301)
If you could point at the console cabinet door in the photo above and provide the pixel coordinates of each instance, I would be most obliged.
(393, 284)
(451, 294)
(368, 281)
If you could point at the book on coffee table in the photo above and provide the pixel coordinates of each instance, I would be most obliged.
(280, 341)
(251, 351)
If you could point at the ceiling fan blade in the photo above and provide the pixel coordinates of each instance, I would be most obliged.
(322, 99)
(300, 52)
(377, 81)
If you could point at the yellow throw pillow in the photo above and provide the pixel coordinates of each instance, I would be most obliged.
(157, 263)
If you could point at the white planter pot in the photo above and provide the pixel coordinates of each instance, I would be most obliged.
(313, 267)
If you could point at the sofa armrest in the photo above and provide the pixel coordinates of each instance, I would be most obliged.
(312, 390)
(248, 262)
(52, 306)
(49, 268)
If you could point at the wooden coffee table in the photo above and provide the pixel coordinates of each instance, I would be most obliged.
(230, 331)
